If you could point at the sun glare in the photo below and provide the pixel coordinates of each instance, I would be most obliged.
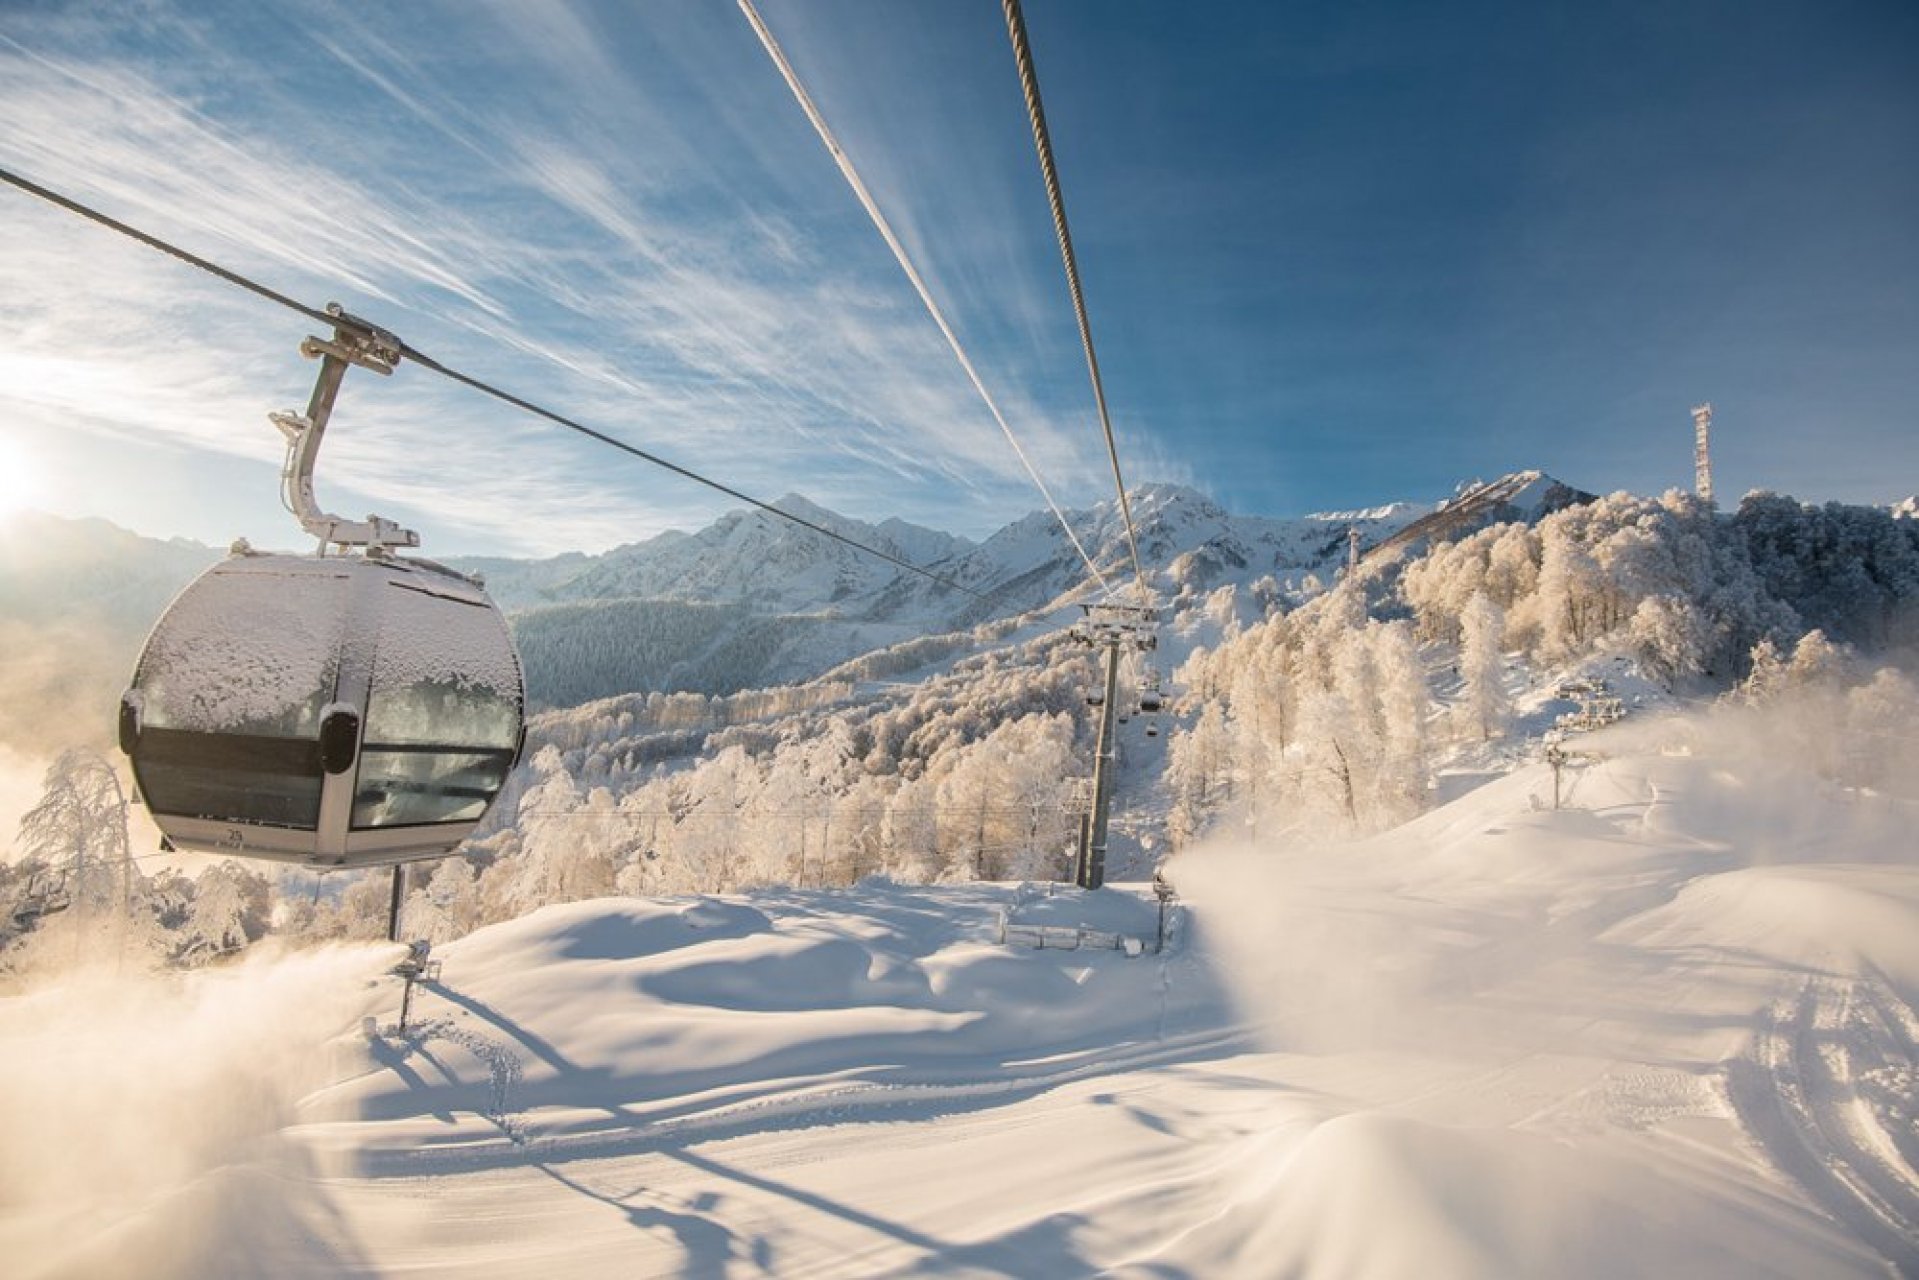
(19, 479)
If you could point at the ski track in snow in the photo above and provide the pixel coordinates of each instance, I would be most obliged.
(916, 1095)
(504, 1071)
(1827, 1094)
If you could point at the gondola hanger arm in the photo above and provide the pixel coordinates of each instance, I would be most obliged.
(354, 342)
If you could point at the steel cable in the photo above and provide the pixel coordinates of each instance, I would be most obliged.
(865, 197)
(467, 380)
(1042, 141)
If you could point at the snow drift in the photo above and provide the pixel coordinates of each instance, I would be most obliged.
(1667, 1029)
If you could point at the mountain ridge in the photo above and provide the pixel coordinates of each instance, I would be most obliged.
(795, 603)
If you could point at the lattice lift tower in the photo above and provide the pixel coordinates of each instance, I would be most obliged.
(1117, 629)
(1701, 452)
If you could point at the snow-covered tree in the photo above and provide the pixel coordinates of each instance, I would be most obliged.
(1198, 775)
(447, 906)
(229, 910)
(1404, 702)
(1815, 660)
(1483, 704)
(1765, 673)
(707, 844)
(79, 831)
(1879, 715)
(1669, 635)
(910, 833)
(1571, 596)
(1333, 766)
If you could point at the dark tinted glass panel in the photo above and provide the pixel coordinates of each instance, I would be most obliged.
(271, 782)
(405, 787)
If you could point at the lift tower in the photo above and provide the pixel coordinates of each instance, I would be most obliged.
(1701, 453)
(1115, 628)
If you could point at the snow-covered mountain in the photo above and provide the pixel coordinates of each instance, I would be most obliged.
(747, 602)
(1186, 540)
(744, 556)
(750, 558)
(793, 604)
(54, 569)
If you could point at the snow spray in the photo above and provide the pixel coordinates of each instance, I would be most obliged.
(148, 1119)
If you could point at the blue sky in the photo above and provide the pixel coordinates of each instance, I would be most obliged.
(1335, 254)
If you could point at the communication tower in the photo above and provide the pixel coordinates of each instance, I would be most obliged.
(1701, 453)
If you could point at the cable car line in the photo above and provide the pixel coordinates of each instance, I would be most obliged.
(507, 397)
(334, 318)
(865, 197)
(1042, 141)
(172, 250)
(1110, 626)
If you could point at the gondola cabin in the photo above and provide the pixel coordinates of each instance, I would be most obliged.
(340, 710)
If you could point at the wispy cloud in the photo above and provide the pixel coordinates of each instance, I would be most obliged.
(595, 217)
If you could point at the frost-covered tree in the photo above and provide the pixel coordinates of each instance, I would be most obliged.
(1851, 572)
(707, 847)
(1815, 660)
(910, 833)
(79, 831)
(229, 909)
(1570, 600)
(76, 891)
(1879, 715)
(1765, 674)
(1404, 702)
(1334, 766)
(1670, 637)
(969, 800)
(1002, 804)
(1484, 705)
(548, 828)
(855, 843)
(587, 867)
(1198, 775)
(1262, 700)
(447, 906)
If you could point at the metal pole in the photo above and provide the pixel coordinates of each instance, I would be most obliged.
(406, 1003)
(1092, 856)
(1164, 892)
(394, 902)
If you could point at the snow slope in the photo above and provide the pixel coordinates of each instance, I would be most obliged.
(1668, 1030)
